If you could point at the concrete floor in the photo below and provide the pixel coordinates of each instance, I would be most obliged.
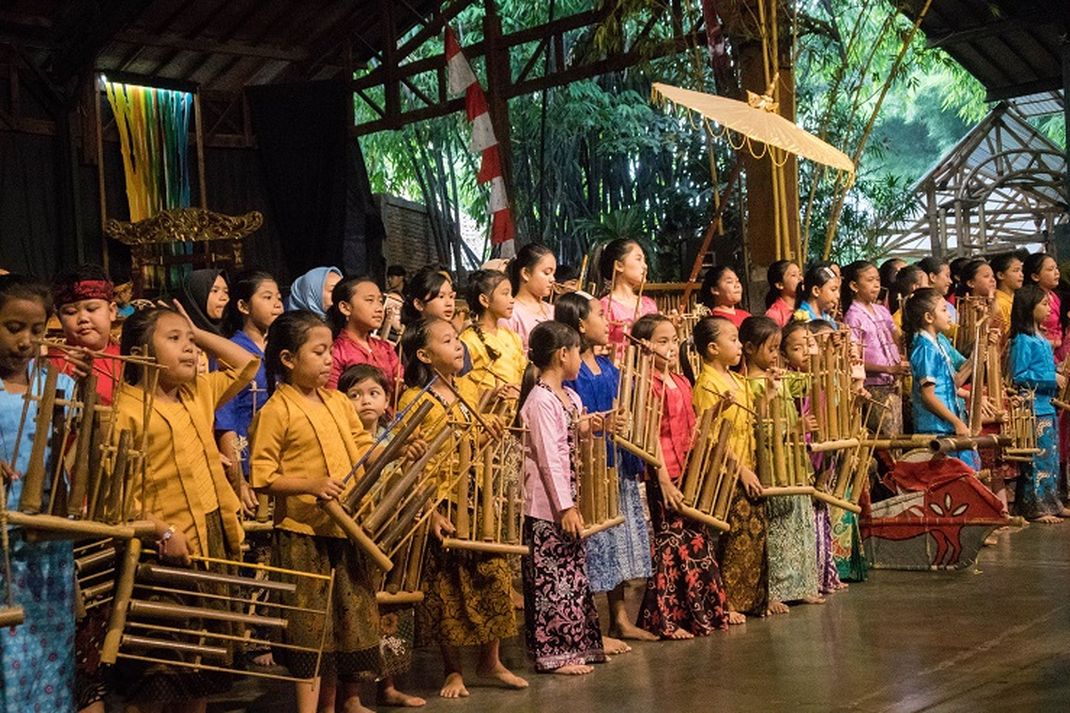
(996, 638)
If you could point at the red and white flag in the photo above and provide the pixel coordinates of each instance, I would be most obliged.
(461, 78)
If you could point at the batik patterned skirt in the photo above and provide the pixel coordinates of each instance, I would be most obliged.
(396, 630)
(1038, 486)
(561, 623)
(623, 552)
(828, 577)
(466, 598)
(685, 591)
(792, 543)
(742, 554)
(847, 545)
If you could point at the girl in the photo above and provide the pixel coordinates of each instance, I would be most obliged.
(466, 594)
(1033, 368)
(797, 345)
(783, 277)
(685, 597)
(255, 305)
(977, 279)
(872, 326)
(888, 271)
(721, 292)
(368, 389)
(42, 570)
(939, 274)
(622, 263)
(819, 292)
(497, 353)
(204, 295)
(791, 539)
(622, 553)
(305, 440)
(312, 291)
(357, 311)
(531, 275)
(1041, 269)
(563, 635)
(186, 493)
(430, 293)
(938, 369)
(1007, 268)
(742, 550)
(907, 280)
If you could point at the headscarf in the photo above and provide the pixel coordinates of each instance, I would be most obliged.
(306, 292)
(194, 297)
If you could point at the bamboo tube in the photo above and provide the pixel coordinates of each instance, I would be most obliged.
(712, 468)
(80, 528)
(411, 581)
(404, 484)
(453, 543)
(838, 445)
(101, 434)
(641, 393)
(144, 642)
(780, 465)
(403, 598)
(511, 534)
(114, 482)
(356, 533)
(843, 473)
(373, 472)
(947, 445)
(601, 477)
(191, 577)
(88, 563)
(728, 490)
(407, 517)
(762, 447)
(488, 524)
(11, 616)
(461, 517)
(80, 472)
(124, 589)
(33, 480)
(693, 474)
(586, 473)
(831, 395)
(601, 526)
(170, 611)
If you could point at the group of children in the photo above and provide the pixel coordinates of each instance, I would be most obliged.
(254, 401)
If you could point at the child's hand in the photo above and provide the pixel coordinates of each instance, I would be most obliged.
(961, 429)
(620, 422)
(325, 488)
(440, 526)
(672, 495)
(414, 451)
(81, 362)
(9, 474)
(993, 337)
(572, 522)
(897, 369)
(810, 422)
(508, 392)
(247, 495)
(751, 485)
(495, 429)
(596, 423)
(1060, 380)
(175, 548)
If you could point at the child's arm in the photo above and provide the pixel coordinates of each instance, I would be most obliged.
(931, 402)
(223, 349)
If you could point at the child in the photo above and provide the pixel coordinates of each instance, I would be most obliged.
(531, 274)
(621, 553)
(204, 295)
(466, 594)
(305, 440)
(563, 634)
(622, 264)
(1007, 268)
(797, 346)
(497, 353)
(430, 293)
(907, 280)
(819, 293)
(367, 388)
(392, 302)
(186, 493)
(85, 304)
(1041, 269)
(783, 278)
(872, 326)
(312, 291)
(357, 311)
(685, 597)
(937, 368)
(42, 570)
(566, 279)
(939, 274)
(721, 292)
(888, 271)
(1032, 368)
(255, 304)
(791, 539)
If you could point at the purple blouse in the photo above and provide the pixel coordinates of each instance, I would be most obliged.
(549, 479)
(876, 331)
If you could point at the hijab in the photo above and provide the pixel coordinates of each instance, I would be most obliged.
(194, 297)
(306, 292)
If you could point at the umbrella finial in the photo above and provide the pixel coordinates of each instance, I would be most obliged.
(766, 100)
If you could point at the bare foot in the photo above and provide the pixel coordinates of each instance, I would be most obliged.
(1065, 512)
(840, 586)
(391, 696)
(680, 635)
(776, 608)
(735, 618)
(453, 687)
(354, 706)
(573, 670)
(813, 600)
(614, 647)
(505, 676)
(992, 539)
(627, 630)
(517, 598)
(1047, 520)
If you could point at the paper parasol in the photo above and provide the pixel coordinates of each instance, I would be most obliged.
(757, 121)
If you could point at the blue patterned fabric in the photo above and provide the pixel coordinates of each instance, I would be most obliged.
(1033, 367)
(619, 553)
(1037, 492)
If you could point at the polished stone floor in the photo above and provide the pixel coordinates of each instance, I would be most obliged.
(994, 638)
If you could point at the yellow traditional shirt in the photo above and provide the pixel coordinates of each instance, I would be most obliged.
(508, 368)
(457, 414)
(184, 477)
(295, 435)
(710, 385)
(1003, 312)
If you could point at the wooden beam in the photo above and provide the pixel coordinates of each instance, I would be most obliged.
(177, 42)
(989, 30)
(1011, 91)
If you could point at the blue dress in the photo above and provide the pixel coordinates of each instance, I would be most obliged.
(933, 360)
(237, 414)
(37, 656)
(1033, 369)
(619, 553)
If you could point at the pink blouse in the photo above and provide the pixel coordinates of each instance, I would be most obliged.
(876, 331)
(621, 317)
(735, 316)
(780, 312)
(1053, 328)
(677, 423)
(346, 352)
(549, 479)
(525, 319)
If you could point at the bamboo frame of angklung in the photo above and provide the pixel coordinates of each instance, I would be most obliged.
(599, 487)
(638, 399)
(487, 505)
(1021, 425)
(842, 485)
(134, 624)
(830, 393)
(92, 484)
(711, 472)
(401, 585)
(781, 457)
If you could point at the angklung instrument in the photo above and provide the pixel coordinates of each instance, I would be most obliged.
(711, 472)
(194, 617)
(831, 396)
(782, 460)
(598, 486)
(842, 484)
(641, 402)
(1020, 425)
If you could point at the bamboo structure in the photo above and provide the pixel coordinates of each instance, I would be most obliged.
(783, 462)
(1062, 401)
(599, 489)
(843, 485)
(192, 617)
(830, 370)
(640, 402)
(1021, 427)
(401, 586)
(709, 477)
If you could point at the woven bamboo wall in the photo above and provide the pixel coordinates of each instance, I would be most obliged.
(409, 241)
